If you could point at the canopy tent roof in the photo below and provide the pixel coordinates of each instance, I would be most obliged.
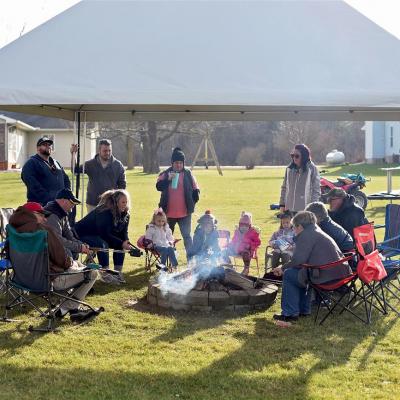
(205, 60)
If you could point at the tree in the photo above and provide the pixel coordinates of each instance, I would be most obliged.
(251, 156)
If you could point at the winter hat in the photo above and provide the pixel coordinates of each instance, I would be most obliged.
(207, 217)
(245, 218)
(177, 155)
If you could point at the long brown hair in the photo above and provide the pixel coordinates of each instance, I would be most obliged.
(109, 201)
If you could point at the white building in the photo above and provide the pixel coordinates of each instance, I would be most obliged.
(382, 141)
(18, 142)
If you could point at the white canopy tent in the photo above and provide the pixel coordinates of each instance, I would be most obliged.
(205, 60)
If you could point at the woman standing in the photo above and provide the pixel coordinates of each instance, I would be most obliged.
(301, 184)
(107, 227)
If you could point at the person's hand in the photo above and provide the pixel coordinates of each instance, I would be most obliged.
(282, 209)
(277, 271)
(74, 148)
(171, 175)
(85, 249)
(126, 245)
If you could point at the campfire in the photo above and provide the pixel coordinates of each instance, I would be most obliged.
(205, 287)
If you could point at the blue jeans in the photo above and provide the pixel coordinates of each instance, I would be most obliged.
(167, 253)
(185, 226)
(102, 256)
(295, 298)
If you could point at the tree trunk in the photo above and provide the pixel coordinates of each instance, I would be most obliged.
(150, 148)
(130, 156)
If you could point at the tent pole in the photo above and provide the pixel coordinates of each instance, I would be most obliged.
(83, 162)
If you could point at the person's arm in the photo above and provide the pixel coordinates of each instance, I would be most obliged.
(29, 176)
(283, 193)
(57, 253)
(162, 182)
(301, 253)
(68, 241)
(169, 235)
(255, 240)
(315, 184)
(121, 182)
(196, 190)
(67, 182)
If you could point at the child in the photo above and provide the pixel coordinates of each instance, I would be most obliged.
(205, 238)
(160, 235)
(282, 242)
(245, 241)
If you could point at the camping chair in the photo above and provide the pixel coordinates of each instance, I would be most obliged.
(254, 256)
(30, 281)
(152, 256)
(5, 214)
(268, 268)
(390, 250)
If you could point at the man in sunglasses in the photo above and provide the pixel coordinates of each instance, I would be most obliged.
(57, 219)
(43, 175)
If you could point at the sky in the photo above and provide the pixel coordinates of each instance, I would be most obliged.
(18, 17)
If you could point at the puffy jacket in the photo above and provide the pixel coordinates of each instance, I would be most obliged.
(101, 223)
(315, 247)
(248, 241)
(203, 242)
(299, 187)
(43, 179)
(191, 195)
(341, 237)
(159, 236)
(349, 215)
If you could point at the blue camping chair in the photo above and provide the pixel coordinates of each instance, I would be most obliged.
(30, 280)
(390, 250)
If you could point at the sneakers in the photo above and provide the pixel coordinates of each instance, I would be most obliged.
(285, 318)
(161, 267)
(120, 278)
(79, 316)
(110, 278)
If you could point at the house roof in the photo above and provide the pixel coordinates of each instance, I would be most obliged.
(205, 60)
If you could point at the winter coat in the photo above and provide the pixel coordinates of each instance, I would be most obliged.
(341, 237)
(103, 179)
(315, 247)
(191, 195)
(43, 179)
(286, 234)
(24, 221)
(248, 241)
(349, 215)
(203, 243)
(299, 187)
(159, 236)
(58, 221)
(101, 223)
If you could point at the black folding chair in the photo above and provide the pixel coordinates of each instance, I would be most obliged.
(30, 280)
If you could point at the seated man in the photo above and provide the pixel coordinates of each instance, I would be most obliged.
(31, 217)
(344, 211)
(57, 219)
(330, 227)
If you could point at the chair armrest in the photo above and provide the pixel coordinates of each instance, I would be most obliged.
(330, 265)
(82, 271)
(389, 240)
(379, 226)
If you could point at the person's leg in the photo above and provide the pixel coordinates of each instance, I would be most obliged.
(305, 301)
(96, 241)
(246, 257)
(285, 257)
(172, 223)
(163, 251)
(276, 256)
(172, 256)
(291, 293)
(185, 226)
(118, 259)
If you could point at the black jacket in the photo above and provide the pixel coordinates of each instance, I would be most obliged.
(338, 234)
(349, 215)
(191, 195)
(43, 179)
(102, 179)
(100, 223)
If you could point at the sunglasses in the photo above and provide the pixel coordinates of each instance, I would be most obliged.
(294, 155)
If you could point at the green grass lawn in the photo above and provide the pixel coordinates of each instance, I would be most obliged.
(133, 351)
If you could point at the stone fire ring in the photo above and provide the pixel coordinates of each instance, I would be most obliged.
(207, 301)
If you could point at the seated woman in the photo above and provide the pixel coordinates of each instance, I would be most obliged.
(107, 227)
(314, 247)
(205, 239)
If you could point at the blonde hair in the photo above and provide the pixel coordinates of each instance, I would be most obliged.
(109, 201)
(159, 213)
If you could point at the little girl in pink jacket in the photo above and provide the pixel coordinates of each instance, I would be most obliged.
(245, 241)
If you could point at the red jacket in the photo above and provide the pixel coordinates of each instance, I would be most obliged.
(248, 241)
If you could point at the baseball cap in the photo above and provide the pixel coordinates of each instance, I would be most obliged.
(337, 193)
(68, 195)
(42, 140)
(35, 207)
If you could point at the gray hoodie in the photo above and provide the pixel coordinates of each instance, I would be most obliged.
(300, 188)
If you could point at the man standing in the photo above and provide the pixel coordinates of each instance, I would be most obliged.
(57, 219)
(179, 194)
(344, 211)
(42, 175)
(105, 172)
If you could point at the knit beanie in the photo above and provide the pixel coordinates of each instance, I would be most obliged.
(177, 155)
(245, 218)
(207, 217)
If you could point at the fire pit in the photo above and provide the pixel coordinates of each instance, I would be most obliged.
(227, 290)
